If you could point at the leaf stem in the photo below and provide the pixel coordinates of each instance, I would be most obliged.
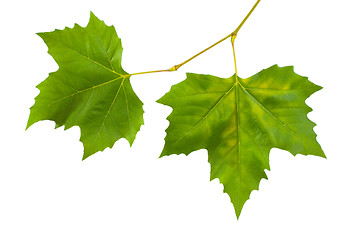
(223, 39)
(246, 17)
(235, 61)
(233, 36)
(156, 71)
(176, 67)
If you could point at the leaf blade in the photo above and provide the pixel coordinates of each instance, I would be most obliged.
(240, 126)
(90, 89)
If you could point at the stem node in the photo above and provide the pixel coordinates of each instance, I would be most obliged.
(233, 36)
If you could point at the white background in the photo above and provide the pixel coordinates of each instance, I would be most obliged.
(47, 192)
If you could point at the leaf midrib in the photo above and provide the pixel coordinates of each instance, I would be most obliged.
(84, 56)
(106, 54)
(109, 110)
(223, 97)
(265, 109)
(206, 115)
(81, 91)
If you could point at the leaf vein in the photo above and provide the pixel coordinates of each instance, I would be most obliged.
(81, 91)
(108, 112)
(206, 115)
(265, 109)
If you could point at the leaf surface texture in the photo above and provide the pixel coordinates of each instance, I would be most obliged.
(239, 122)
(90, 89)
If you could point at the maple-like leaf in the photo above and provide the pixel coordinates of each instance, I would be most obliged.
(239, 122)
(90, 88)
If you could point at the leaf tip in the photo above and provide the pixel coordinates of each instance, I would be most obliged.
(237, 215)
(92, 15)
(131, 141)
(162, 100)
(28, 126)
(159, 100)
(238, 211)
(317, 87)
(93, 18)
(41, 35)
(162, 154)
(85, 156)
(322, 154)
(30, 121)
(165, 151)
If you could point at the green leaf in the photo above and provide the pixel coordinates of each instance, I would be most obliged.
(239, 122)
(90, 88)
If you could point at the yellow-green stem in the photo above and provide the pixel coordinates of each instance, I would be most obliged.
(235, 61)
(233, 36)
(166, 70)
(246, 17)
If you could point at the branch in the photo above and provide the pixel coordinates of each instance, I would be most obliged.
(233, 35)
